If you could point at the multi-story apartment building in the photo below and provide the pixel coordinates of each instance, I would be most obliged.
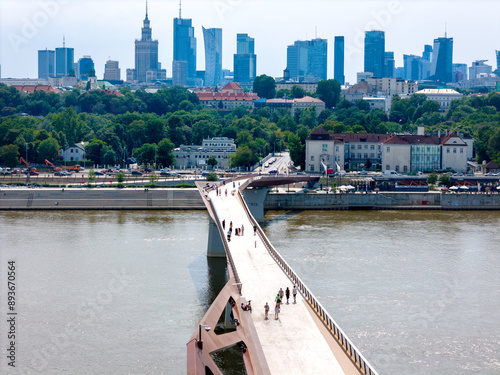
(403, 153)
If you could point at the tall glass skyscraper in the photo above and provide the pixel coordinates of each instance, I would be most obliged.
(185, 45)
(85, 64)
(375, 52)
(46, 63)
(146, 53)
(338, 66)
(213, 56)
(498, 59)
(308, 59)
(442, 60)
(65, 58)
(245, 60)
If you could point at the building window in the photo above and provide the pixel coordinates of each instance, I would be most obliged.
(405, 168)
(312, 167)
(366, 156)
(397, 168)
(372, 147)
(366, 147)
(353, 147)
(71, 152)
(325, 147)
(359, 156)
(461, 150)
(387, 167)
(360, 147)
(372, 155)
(447, 150)
(454, 150)
(337, 149)
(312, 158)
(388, 149)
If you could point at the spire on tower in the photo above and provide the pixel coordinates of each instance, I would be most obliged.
(64, 41)
(146, 9)
(445, 31)
(180, 8)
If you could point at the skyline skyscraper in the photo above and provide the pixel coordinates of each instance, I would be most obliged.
(112, 71)
(389, 64)
(83, 67)
(442, 60)
(375, 52)
(213, 55)
(184, 48)
(245, 60)
(338, 67)
(498, 59)
(307, 60)
(147, 67)
(46, 63)
(64, 60)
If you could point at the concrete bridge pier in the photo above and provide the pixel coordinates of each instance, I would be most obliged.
(215, 248)
(254, 198)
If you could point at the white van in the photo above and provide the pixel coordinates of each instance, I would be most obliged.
(390, 173)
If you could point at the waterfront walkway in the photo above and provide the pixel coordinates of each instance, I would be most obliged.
(298, 342)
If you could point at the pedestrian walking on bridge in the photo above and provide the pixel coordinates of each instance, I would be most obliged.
(294, 292)
(266, 309)
(287, 294)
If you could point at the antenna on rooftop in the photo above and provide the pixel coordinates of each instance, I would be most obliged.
(180, 8)
(64, 41)
(445, 32)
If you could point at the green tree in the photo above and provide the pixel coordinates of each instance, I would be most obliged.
(297, 150)
(264, 86)
(47, 149)
(432, 178)
(120, 177)
(328, 90)
(243, 157)
(10, 155)
(297, 92)
(444, 180)
(91, 176)
(153, 178)
(165, 152)
(212, 177)
(212, 161)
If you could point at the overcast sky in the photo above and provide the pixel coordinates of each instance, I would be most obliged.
(106, 29)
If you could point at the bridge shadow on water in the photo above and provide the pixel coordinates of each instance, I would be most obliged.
(283, 217)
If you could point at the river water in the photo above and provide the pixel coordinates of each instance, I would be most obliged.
(119, 292)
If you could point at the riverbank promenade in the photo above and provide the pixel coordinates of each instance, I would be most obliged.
(298, 341)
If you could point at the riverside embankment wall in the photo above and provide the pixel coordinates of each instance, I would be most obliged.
(189, 199)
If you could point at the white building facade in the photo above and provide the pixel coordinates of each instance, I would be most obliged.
(221, 148)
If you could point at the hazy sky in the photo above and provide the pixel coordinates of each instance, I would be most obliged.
(106, 29)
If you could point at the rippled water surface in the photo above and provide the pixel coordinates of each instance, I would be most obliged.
(122, 292)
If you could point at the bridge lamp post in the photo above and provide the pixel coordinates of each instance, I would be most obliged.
(200, 341)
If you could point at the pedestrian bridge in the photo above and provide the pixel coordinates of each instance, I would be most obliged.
(305, 339)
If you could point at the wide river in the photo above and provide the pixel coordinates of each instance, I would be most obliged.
(118, 292)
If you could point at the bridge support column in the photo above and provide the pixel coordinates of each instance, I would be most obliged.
(254, 199)
(215, 248)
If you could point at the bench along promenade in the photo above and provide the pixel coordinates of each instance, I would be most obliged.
(303, 340)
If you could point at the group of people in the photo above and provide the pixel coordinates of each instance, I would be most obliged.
(279, 300)
(240, 231)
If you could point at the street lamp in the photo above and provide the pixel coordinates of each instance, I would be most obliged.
(200, 341)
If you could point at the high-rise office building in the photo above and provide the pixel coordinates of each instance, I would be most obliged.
(479, 68)
(498, 59)
(245, 60)
(459, 72)
(179, 73)
(338, 66)
(375, 52)
(442, 60)
(213, 55)
(83, 67)
(112, 71)
(147, 68)
(307, 60)
(413, 67)
(389, 64)
(64, 60)
(184, 48)
(46, 63)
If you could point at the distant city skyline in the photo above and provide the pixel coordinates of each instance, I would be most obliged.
(110, 30)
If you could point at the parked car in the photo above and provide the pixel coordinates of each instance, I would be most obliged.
(98, 173)
(136, 173)
(165, 173)
(32, 173)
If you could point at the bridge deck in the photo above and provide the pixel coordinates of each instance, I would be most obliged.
(296, 343)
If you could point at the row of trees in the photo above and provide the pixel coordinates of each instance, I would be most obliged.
(179, 119)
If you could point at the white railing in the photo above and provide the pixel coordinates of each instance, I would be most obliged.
(330, 323)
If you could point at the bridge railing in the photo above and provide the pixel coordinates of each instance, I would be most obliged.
(330, 323)
(224, 243)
